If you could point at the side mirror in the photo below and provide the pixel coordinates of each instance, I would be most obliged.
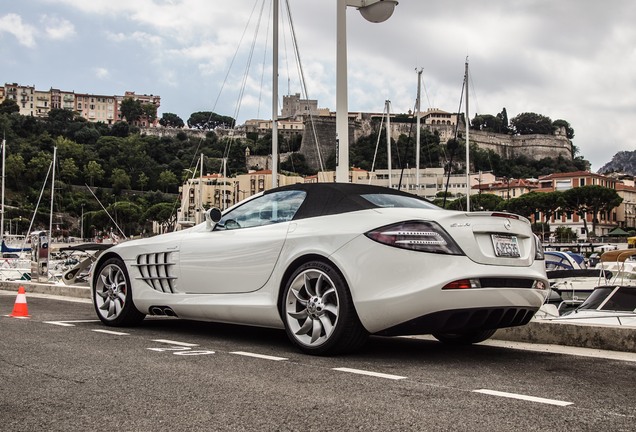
(212, 216)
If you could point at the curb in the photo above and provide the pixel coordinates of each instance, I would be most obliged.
(603, 337)
(77, 291)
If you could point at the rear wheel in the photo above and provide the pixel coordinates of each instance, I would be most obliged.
(318, 311)
(464, 338)
(112, 296)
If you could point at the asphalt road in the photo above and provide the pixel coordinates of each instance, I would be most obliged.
(62, 370)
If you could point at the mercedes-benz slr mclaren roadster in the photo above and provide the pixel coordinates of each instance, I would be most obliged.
(332, 264)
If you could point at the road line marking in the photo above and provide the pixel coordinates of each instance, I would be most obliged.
(373, 374)
(171, 342)
(261, 356)
(111, 332)
(524, 397)
(68, 323)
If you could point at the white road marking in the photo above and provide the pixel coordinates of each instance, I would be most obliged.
(368, 373)
(524, 397)
(111, 332)
(69, 323)
(19, 317)
(548, 348)
(261, 356)
(171, 342)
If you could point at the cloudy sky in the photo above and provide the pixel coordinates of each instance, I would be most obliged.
(569, 59)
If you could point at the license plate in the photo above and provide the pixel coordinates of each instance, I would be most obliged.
(505, 246)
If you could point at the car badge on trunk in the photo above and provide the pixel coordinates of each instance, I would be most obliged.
(507, 225)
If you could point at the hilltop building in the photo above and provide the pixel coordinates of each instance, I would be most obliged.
(92, 107)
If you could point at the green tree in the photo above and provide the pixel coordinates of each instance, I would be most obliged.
(120, 180)
(14, 170)
(532, 123)
(171, 120)
(93, 171)
(591, 199)
(127, 215)
(548, 203)
(207, 120)
(120, 129)
(68, 170)
(480, 202)
(525, 205)
(131, 109)
(167, 180)
(9, 106)
(38, 166)
(149, 111)
(162, 213)
(142, 181)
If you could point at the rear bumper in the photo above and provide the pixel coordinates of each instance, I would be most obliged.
(458, 321)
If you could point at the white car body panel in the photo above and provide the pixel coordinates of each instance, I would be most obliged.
(235, 276)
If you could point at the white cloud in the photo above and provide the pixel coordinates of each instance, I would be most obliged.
(24, 33)
(101, 73)
(57, 28)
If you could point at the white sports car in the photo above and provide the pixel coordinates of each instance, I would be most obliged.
(332, 263)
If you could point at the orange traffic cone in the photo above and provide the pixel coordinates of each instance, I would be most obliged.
(20, 309)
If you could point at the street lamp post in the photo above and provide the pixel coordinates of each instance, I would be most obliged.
(82, 225)
(374, 11)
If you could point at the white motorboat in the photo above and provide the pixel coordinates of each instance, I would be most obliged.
(610, 305)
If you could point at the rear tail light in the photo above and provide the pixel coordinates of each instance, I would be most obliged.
(418, 236)
(463, 284)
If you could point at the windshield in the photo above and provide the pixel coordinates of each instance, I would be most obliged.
(611, 299)
(265, 210)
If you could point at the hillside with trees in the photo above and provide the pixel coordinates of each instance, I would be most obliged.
(136, 177)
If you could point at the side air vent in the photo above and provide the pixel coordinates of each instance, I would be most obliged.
(156, 270)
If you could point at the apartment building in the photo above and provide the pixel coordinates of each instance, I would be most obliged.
(92, 107)
(23, 96)
(97, 108)
(42, 103)
(62, 99)
(506, 188)
(144, 121)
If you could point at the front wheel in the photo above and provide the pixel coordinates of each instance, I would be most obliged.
(464, 338)
(112, 296)
(318, 311)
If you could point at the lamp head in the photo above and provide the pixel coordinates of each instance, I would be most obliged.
(378, 11)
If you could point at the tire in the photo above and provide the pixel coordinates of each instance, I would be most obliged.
(112, 296)
(318, 311)
(464, 338)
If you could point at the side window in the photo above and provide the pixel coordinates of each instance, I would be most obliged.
(265, 210)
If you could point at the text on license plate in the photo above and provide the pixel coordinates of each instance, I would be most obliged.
(505, 246)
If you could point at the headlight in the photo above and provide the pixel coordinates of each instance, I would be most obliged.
(418, 236)
(538, 254)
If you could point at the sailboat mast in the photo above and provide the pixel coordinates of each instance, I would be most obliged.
(48, 250)
(417, 131)
(4, 144)
(275, 96)
(200, 201)
(388, 140)
(467, 143)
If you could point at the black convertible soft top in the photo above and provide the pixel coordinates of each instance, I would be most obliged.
(335, 198)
